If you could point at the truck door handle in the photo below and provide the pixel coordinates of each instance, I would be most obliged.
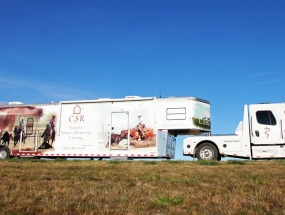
(257, 133)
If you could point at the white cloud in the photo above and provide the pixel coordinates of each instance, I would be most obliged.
(19, 88)
(267, 82)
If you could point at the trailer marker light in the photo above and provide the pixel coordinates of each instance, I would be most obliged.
(235, 154)
(264, 151)
(272, 156)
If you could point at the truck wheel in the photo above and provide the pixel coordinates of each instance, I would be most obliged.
(207, 151)
(4, 153)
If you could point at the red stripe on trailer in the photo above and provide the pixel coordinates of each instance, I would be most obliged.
(118, 155)
(98, 154)
(152, 155)
(138, 155)
(132, 155)
(104, 154)
(145, 154)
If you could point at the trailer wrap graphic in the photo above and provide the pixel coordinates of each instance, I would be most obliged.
(79, 128)
(201, 116)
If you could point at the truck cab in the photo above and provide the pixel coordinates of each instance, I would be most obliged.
(259, 136)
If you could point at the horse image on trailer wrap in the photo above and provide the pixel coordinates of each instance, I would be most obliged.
(132, 127)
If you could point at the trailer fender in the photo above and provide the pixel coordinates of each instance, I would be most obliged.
(207, 150)
(4, 152)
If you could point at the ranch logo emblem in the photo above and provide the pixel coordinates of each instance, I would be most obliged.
(266, 131)
(76, 117)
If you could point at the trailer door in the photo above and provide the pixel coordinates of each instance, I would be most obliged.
(266, 125)
(27, 137)
(119, 138)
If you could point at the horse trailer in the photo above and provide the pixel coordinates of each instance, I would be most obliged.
(127, 128)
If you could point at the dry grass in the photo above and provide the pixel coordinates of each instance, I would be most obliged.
(141, 187)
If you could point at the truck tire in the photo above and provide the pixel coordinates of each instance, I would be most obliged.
(207, 151)
(4, 153)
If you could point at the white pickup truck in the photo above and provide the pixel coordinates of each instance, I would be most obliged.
(259, 136)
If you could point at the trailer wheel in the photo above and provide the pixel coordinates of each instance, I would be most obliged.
(4, 153)
(207, 151)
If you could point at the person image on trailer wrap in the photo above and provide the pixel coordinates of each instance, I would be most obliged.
(141, 126)
(52, 126)
(6, 138)
(22, 125)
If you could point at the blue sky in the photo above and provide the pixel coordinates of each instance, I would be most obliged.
(228, 52)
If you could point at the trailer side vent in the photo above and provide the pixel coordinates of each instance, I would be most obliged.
(132, 97)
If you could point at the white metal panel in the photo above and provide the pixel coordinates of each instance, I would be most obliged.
(161, 142)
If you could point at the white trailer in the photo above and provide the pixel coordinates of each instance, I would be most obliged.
(103, 128)
(259, 136)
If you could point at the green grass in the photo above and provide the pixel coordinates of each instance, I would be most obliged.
(32, 186)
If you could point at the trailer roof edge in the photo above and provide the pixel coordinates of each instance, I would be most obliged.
(108, 100)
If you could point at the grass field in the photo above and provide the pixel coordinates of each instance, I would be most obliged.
(31, 186)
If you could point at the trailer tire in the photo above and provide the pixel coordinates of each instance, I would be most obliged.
(4, 153)
(207, 151)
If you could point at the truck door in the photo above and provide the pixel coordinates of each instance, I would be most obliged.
(28, 135)
(119, 138)
(266, 125)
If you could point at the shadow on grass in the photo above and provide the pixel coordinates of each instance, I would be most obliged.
(208, 162)
(238, 162)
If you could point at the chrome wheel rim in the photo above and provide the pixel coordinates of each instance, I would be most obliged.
(206, 153)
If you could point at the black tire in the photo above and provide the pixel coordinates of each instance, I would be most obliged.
(207, 151)
(4, 153)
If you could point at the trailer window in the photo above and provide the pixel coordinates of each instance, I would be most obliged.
(176, 113)
(30, 126)
(265, 117)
